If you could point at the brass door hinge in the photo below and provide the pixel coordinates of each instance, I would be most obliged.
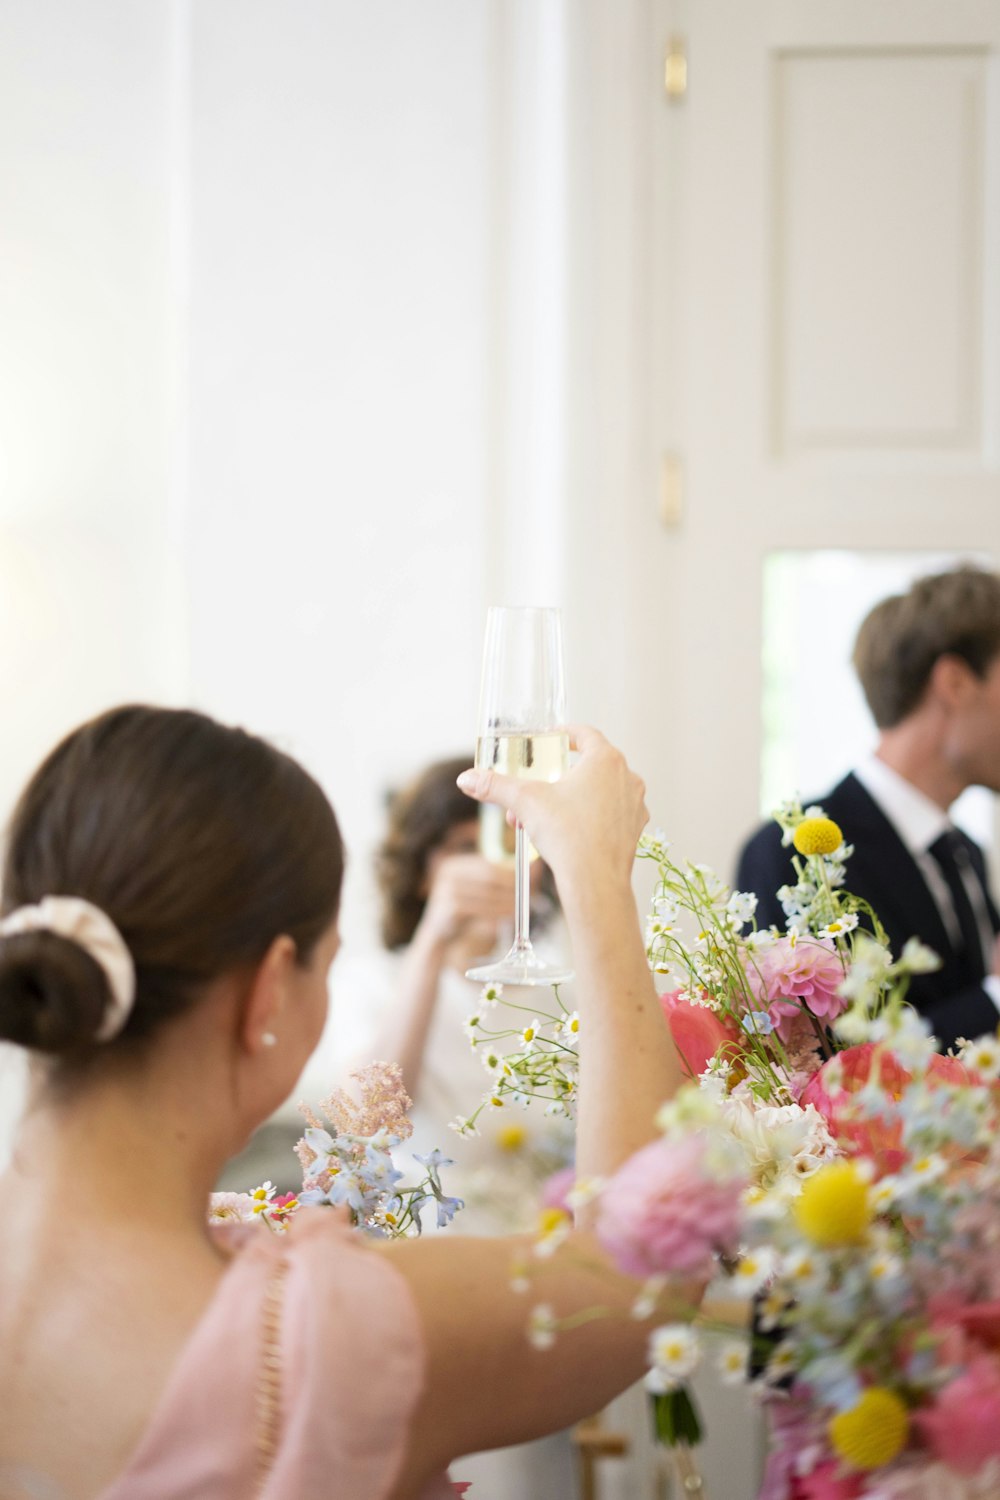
(675, 69)
(672, 490)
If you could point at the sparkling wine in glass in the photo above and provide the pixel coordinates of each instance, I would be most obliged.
(522, 713)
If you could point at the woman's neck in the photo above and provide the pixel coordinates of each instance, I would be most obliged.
(126, 1145)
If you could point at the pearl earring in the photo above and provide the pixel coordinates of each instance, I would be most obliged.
(269, 1039)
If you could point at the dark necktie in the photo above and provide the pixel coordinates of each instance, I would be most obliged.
(953, 858)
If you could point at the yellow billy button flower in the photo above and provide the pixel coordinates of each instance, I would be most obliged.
(873, 1432)
(817, 836)
(833, 1207)
(511, 1137)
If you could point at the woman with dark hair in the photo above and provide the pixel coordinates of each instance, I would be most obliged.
(169, 915)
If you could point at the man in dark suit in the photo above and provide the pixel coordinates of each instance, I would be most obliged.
(929, 664)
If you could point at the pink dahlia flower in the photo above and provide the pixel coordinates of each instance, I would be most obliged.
(962, 1428)
(698, 1032)
(556, 1187)
(665, 1213)
(788, 976)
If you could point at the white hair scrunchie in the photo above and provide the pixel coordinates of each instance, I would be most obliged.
(85, 924)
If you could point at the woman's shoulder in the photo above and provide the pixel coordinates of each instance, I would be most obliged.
(310, 1324)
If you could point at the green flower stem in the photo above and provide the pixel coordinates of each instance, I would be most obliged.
(675, 1419)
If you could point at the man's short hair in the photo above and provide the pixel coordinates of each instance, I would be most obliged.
(949, 614)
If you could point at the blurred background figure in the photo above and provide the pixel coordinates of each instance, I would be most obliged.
(445, 906)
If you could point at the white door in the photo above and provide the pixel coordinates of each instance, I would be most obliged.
(827, 359)
(826, 372)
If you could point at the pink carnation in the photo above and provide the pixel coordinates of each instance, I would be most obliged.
(664, 1212)
(698, 1032)
(788, 976)
(963, 1426)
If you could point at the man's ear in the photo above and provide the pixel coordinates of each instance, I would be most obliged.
(952, 680)
(264, 1005)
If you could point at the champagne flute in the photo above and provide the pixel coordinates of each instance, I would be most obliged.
(522, 733)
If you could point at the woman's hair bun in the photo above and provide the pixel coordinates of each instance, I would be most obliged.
(53, 995)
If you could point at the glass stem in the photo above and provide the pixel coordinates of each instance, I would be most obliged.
(522, 890)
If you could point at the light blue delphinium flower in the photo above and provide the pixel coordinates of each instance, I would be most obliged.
(446, 1209)
(434, 1160)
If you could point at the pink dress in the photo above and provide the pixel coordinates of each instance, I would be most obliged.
(298, 1383)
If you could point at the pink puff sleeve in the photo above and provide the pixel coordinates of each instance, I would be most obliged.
(327, 1415)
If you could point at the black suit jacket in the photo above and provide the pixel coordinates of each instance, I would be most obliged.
(883, 871)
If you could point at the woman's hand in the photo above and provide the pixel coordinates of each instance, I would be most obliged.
(590, 819)
(467, 890)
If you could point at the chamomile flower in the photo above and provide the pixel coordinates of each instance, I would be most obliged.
(495, 1063)
(645, 1304)
(763, 937)
(490, 996)
(740, 908)
(470, 1026)
(262, 1196)
(803, 1268)
(464, 1126)
(982, 1056)
(753, 1270)
(570, 1027)
(674, 1355)
(732, 1362)
(554, 1224)
(530, 1035)
(782, 1363)
(840, 926)
(917, 958)
(584, 1191)
(542, 1326)
(925, 1169)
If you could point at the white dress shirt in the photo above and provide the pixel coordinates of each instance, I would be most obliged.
(919, 822)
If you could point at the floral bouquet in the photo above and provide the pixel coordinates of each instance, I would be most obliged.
(844, 1175)
(351, 1162)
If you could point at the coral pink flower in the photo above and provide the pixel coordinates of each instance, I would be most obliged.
(957, 1322)
(788, 976)
(826, 1482)
(832, 1092)
(962, 1428)
(698, 1032)
(664, 1212)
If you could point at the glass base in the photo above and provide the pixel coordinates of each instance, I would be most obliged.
(521, 966)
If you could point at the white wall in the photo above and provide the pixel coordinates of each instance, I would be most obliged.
(340, 269)
(83, 463)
